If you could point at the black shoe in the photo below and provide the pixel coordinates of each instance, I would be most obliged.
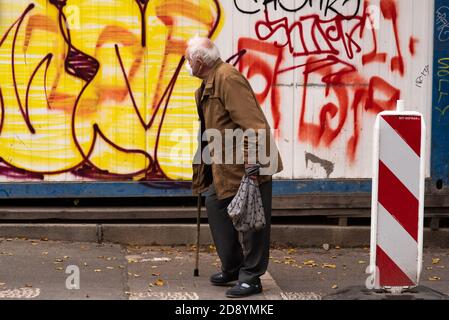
(223, 278)
(244, 289)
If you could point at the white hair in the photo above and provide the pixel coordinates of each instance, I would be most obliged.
(203, 48)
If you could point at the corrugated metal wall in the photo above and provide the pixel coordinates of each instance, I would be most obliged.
(335, 67)
(96, 90)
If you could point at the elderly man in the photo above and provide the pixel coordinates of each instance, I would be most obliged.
(225, 101)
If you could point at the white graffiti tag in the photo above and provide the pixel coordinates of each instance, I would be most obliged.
(442, 23)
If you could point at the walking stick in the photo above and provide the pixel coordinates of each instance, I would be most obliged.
(196, 272)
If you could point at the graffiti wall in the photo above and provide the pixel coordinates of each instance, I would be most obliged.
(97, 90)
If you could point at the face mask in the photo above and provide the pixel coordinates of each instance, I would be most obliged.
(189, 69)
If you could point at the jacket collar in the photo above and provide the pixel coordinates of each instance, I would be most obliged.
(209, 82)
(210, 79)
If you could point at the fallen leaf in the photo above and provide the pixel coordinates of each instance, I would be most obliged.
(310, 263)
(326, 246)
(110, 268)
(136, 275)
(429, 268)
(291, 250)
(436, 260)
(66, 257)
(121, 267)
(337, 247)
(2, 284)
(28, 285)
(335, 286)
(362, 261)
(44, 239)
(97, 270)
(330, 266)
(159, 282)
(434, 278)
(58, 260)
(59, 268)
(45, 253)
(85, 264)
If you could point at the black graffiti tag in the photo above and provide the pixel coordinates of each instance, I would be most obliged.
(345, 8)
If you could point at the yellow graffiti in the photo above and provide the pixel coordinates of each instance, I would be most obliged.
(137, 109)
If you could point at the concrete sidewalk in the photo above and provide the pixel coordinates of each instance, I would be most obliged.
(35, 269)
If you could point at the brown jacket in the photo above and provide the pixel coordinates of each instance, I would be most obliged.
(228, 102)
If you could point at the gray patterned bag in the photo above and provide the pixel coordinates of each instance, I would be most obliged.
(246, 209)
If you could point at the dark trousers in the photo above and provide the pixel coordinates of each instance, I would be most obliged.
(251, 261)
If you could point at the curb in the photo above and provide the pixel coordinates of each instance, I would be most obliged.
(62, 232)
(182, 234)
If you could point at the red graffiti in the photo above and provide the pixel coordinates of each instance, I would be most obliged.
(330, 47)
(349, 88)
(389, 11)
(412, 45)
(254, 62)
(316, 36)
